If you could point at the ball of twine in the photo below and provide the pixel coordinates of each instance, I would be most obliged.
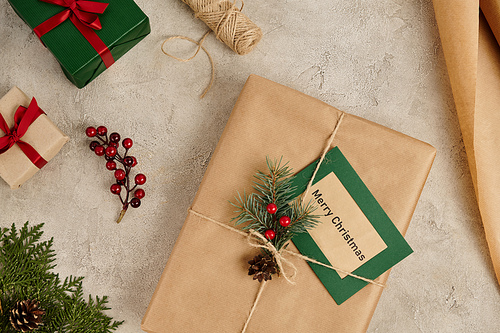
(230, 25)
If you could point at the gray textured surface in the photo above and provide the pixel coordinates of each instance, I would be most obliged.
(381, 60)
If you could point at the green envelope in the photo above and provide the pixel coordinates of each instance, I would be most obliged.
(124, 24)
(396, 247)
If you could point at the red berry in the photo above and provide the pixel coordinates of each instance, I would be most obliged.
(110, 165)
(140, 179)
(114, 137)
(90, 131)
(128, 161)
(102, 130)
(285, 221)
(99, 150)
(271, 208)
(135, 202)
(120, 174)
(115, 189)
(135, 161)
(111, 151)
(114, 144)
(139, 193)
(93, 144)
(270, 234)
(127, 143)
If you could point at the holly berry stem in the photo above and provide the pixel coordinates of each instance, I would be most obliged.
(122, 214)
(107, 145)
(120, 196)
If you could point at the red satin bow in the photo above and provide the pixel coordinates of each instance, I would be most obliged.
(83, 14)
(23, 118)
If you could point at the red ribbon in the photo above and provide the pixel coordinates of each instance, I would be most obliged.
(83, 14)
(23, 118)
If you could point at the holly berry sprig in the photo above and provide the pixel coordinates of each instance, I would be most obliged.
(284, 221)
(107, 146)
(273, 211)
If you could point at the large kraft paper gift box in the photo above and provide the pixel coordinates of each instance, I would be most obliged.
(42, 135)
(205, 286)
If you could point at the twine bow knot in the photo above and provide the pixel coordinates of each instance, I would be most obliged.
(256, 239)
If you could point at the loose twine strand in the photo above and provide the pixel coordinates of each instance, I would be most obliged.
(255, 239)
(230, 26)
(200, 46)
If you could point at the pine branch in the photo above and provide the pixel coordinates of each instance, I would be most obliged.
(274, 187)
(250, 212)
(302, 217)
(26, 266)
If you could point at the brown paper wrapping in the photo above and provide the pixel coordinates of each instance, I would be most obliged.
(43, 135)
(473, 59)
(205, 286)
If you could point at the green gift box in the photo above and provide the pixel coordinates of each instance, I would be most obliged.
(123, 23)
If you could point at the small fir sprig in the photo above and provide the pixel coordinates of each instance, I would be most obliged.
(26, 279)
(108, 147)
(272, 210)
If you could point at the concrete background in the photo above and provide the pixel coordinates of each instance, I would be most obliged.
(381, 60)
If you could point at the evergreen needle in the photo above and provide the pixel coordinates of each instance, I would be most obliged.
(275, 186)
(26, 266)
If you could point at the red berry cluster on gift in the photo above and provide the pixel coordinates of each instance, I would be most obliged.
(284, 221)
(107, 146)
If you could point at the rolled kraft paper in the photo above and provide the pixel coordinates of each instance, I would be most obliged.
(491, 10)
(472, 57)
(230, 25)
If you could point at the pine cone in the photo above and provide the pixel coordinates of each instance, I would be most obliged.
(262, 267)
(26, 316)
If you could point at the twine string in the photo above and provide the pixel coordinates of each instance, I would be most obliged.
(339, 270)
(323, 154)
(256, 239)
(224, 20)
(200, 46)
(254, 306)
(230, 26)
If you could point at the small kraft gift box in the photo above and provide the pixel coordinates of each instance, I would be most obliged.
(206, 287)
(28, 138)
(86, 37)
